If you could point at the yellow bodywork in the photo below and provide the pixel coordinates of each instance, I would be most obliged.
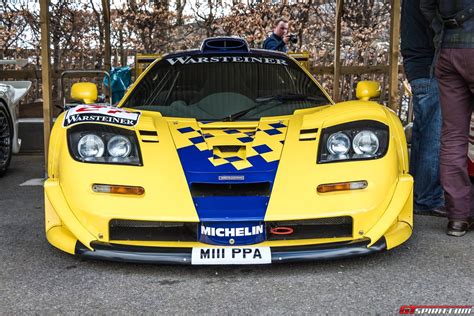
(73, 212)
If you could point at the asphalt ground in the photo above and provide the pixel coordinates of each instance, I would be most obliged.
(35, 278)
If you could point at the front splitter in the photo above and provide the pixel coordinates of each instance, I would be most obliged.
(165, 255)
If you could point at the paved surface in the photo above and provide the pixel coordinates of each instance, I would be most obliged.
(431, 268)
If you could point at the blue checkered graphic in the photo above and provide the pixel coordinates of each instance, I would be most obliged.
(262, 149)
(186, 130)
(233, 158)
(246, 139)
(277, 125)
(272, 131)
(197, 140)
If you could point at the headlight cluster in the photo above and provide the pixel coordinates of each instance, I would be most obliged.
(103, 144)
(353, 141)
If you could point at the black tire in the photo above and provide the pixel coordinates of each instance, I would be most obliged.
(6, 138)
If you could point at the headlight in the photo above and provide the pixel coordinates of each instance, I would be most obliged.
(338, 144)
(353, 141)
(87, 143)
(90, 146)
(119, 146)
(365, 143)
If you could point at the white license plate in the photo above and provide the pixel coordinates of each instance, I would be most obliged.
(231, 255)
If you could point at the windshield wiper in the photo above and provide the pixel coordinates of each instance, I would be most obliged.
(260, 101)
(287, 97)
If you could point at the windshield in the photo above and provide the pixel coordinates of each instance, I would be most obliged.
(230, 87)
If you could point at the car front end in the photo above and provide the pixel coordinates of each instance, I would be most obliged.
(270, 180)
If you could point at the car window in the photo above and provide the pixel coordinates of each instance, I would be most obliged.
(212, 87)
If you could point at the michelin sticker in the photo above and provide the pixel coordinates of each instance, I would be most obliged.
(232, 233)
(100, 114)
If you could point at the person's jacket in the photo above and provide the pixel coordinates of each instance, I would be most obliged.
(275, 42)
(417, 45)
(454, 37)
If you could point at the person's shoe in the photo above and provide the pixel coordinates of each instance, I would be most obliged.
(457, 228)
(438, 212)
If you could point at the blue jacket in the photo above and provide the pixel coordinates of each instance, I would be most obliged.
(275, 42)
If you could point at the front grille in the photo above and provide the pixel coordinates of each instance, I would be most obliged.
(230, 189)
(152, 231)
(170, 231)
(332, 227)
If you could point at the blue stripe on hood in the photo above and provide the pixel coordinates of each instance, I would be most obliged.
(235, 208)
(231, 208)
(204, 161)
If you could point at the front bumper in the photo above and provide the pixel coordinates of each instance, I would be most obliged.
(65, 232)
(165, 255)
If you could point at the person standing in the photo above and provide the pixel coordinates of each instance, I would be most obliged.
(418, 51)
(454, 23)
(279, 38)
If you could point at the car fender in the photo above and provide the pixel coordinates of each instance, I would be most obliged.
(11, 92)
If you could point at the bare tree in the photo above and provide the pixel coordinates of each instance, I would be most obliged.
(13, 26)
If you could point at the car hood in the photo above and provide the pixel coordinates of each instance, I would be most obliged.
(212, 152)
(219, 161)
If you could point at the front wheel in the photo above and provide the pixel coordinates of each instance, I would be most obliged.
(5, 139)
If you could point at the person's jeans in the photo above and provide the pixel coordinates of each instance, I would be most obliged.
(425, 145)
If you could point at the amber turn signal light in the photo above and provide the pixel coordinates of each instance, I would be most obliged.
(118, 189)
(342, 186)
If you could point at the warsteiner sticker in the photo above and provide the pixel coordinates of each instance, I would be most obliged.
(185, 60)
(100, 114)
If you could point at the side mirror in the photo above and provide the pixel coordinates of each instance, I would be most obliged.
(367, 89)
(84, 91)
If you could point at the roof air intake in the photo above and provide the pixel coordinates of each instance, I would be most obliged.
(224, 45)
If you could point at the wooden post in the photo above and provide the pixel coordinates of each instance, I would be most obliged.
(337, 50)
(46, 77)
(107, 53)
(394, 53)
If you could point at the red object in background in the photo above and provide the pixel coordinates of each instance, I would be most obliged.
(470, 167)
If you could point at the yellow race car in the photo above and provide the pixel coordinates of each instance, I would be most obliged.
(227, 155)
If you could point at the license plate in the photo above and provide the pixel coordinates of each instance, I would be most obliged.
(231, 255)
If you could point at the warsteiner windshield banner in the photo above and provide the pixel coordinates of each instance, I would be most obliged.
(185, 60)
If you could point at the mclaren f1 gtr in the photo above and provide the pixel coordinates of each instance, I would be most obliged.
(227, 155)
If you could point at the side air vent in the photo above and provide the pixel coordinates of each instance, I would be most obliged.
(308, 134)
(230, 189)
(148, 136)
(224, 44)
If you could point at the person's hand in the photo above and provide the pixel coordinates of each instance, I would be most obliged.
(286, 38)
